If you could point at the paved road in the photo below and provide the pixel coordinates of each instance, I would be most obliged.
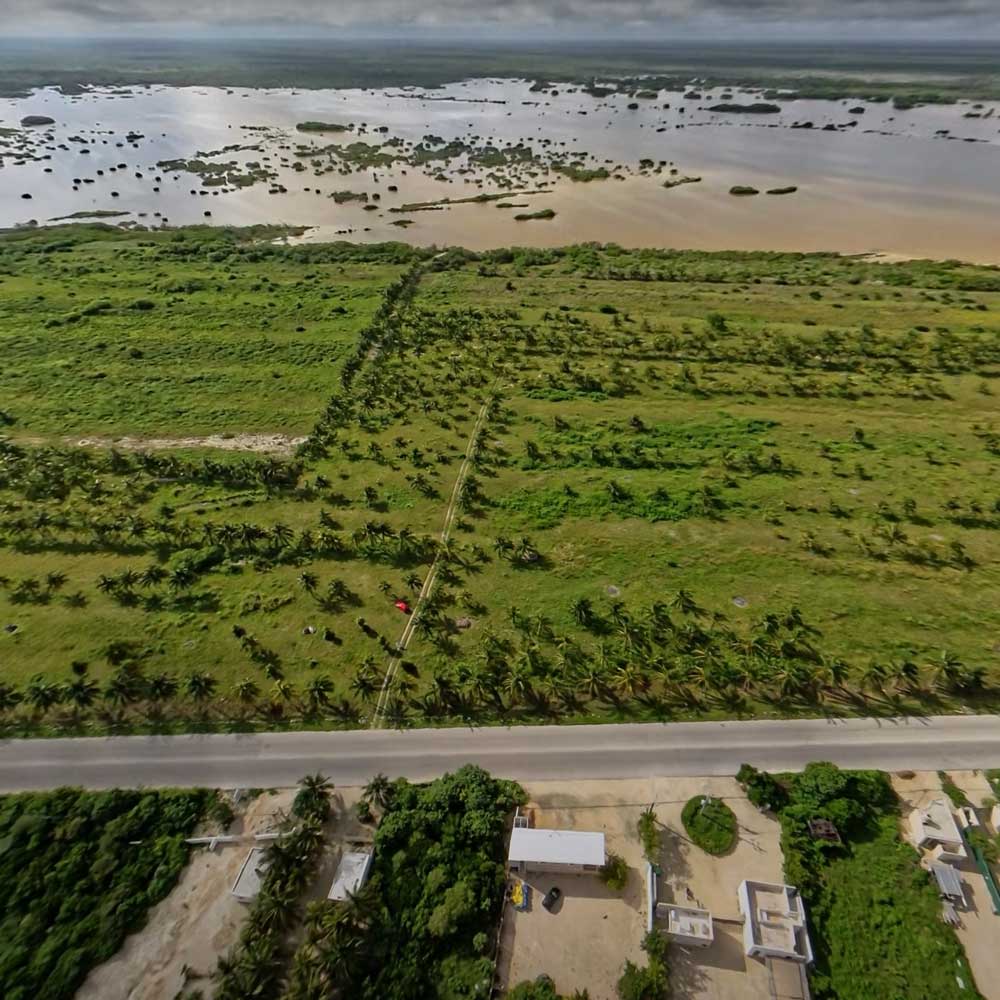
(526, 753)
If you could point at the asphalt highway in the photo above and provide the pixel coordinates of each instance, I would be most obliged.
(528, 753)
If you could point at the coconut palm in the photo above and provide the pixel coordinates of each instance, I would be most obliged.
(318, 692)
(200, 687)
(379, 790)
(10, 697)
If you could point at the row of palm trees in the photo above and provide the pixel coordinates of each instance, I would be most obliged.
(256, 966)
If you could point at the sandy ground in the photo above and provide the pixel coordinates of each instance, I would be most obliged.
(585, 943)
(271, 444)
(200, 919)
(979, 925)
(721, 971)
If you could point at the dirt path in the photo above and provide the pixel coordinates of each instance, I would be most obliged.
(270, 444)
(378, 717)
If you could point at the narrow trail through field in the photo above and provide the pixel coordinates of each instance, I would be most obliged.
(378, 717)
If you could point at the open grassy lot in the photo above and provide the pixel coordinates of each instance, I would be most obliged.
(110, 335)
(701, 484)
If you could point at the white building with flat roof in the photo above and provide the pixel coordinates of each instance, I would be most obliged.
(351, 875)
(254, 868)
(933, 828)
(774, 922)
(571, 851)
(687, 925)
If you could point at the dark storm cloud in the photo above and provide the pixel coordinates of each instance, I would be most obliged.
(683, 16)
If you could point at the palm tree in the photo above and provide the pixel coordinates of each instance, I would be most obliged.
(873, 677)
(583, 612)
(247, 691)
(281, 535)
(318, 692)
(10, 697)
(81, 693)
(309, 582)
(161, 687)
(312, 801)
(365, 683)
(379, 790)
(121, 690)
(42, 694)
(200, 687)
(684, 602)
(284, 690)
(152, 575)
(503, 546)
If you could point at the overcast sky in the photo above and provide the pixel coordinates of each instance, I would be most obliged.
(651, 20)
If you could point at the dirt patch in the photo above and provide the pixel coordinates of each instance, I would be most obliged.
(268, 444)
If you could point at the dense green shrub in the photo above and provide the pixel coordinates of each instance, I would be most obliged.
(649, 835)
(427, 918)
(79, 871)
(874, 916)
(711, 824)
(614, 874)
(541, 988)
(647, 982)
(763, 789)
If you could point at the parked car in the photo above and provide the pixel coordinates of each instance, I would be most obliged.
(551, 898)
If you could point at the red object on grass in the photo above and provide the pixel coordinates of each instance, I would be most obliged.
(403, 606)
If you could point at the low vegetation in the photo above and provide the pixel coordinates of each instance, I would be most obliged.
(710, 824)
(80, 871)
(874, 916)
(699, 485)
(649, 981)
(614, 874)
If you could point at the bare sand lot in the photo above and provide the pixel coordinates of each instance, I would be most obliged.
(585, 943)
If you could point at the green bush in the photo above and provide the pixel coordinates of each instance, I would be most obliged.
(541, 988)
(614, 874)
(763, 789)
(647, 982)
(958, 798)
(649, 835)
(711, 824)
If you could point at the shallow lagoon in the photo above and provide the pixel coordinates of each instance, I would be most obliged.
(895, 182)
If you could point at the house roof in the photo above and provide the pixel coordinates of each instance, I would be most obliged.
(937, 822)
(252, 871)
(775, 918)
(351, 874)
(948, 880)
(690, 922)
(566, 847)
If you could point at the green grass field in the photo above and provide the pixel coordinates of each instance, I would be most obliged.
(707, 485)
